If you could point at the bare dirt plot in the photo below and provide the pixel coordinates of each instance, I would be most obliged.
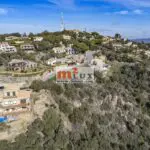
(17, 127)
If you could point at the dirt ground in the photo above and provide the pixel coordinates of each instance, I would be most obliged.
(17, 127)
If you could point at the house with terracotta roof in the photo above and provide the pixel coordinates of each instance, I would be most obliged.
(21, 65)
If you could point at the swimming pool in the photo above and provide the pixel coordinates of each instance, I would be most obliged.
(3, 119)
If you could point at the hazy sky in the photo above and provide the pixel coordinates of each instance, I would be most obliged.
(131, 18)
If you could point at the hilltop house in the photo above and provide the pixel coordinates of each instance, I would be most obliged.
(27, 47)
(59, 50)
(38, 39)
(13, 100)
(11, 38)
(21, 65)
(75, 31)
(55, 61)
(66, 37)
(62, 49)
(6, 48)
(70, 51)
(61, 61)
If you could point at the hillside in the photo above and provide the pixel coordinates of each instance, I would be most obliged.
(111, 114)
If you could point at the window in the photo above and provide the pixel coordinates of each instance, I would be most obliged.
(8, 93)
(14, 93)
(23, 101)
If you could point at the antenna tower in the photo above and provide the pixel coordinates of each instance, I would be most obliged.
(62, 22)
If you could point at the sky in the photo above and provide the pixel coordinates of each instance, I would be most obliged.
(130, 18)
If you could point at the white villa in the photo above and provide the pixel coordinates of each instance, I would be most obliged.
(66, 37)
(27, 47)
(38, 39)
(55, 61)
(70, 51)
(6, 48)
(10, 38)
(59, 50)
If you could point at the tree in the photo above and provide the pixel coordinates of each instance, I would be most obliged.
(117, 36)
(95, 43)
(15, 34)
(96, 35)
(31, 35)
(80, 47)
(44, 46)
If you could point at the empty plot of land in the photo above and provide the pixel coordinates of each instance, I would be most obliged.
(17, 127)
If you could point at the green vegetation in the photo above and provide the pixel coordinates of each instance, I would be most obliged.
(80, 47)
(111, 114)
(92, 129)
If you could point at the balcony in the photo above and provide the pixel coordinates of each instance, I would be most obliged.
(11, 106)
(8, 97)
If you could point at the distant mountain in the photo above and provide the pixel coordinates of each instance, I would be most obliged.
(142, 40)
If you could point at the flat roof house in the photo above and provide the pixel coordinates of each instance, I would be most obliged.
(27, 47)
(6, 48)
(10, 38)
(38, 39)
(59, 50)
(66, 37)
(59, 62)
(13, 100)
(70, 51)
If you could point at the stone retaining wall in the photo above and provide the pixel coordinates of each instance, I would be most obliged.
(10, 79)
